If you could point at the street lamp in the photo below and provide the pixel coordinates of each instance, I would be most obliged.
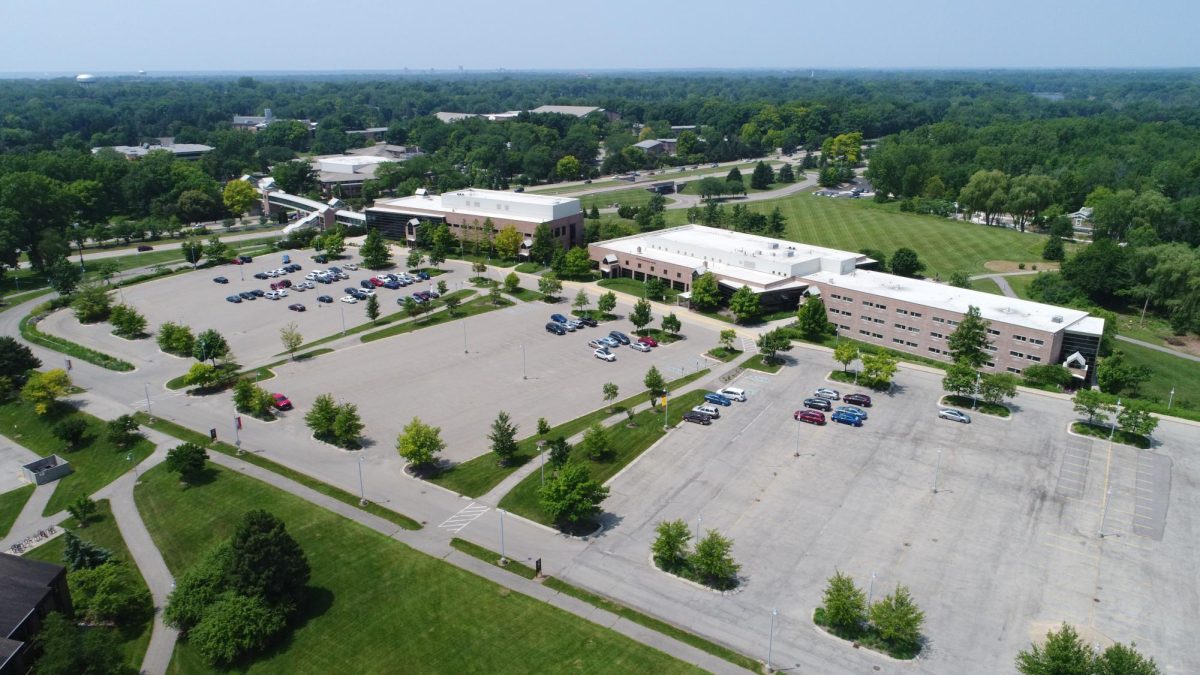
(146, 388)
(771, 639)
(1171, 398)
(540, 445)
(342, 307)
(1113, 428)
(503, 559)
(523, 373)
(362, 495)
(975, 397)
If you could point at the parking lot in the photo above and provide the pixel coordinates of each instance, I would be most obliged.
(1007, 547)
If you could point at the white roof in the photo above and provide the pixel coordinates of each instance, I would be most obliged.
(576, 110)
(489, 204)
(998, 308)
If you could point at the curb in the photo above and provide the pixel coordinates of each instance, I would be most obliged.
(738, 589)
(1011, 414)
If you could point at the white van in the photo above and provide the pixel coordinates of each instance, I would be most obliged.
(734, 393)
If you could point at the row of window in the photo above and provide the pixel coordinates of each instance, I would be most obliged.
(907, 328)
(843, 298)
(902, 341)
(868, 303)
(905, 312)
(868, 319)
(843, 312)
(1032, 341)
(868, 333)
(1021, 355)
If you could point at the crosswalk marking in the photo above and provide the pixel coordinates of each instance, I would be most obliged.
(464, 517)
(749, 346)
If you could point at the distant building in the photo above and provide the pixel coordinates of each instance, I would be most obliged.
(573, 110)
(345, 174)
(259, 122)
(29, 590)
(184, 151)
(465, 212)
(370, 133)
(657, 146)
(398, 153)
(1081, 221)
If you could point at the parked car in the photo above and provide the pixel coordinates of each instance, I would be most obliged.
(810, 416)
(281, 402)
(648, 341)
(818, 403)
(349, 299)
(697, 418)
(285, 284)
(559, 318)
(587, 321)
(619, 337)
(143, 248)
(713, 397)
(709, 410)
(556, 328)
(434, 294)
(351, 266)
(641, 347)
(858, 399)
(734, 393)
(297, 307)
(236, 261)
(391, 284)
(610, 342)
(825, 392)
(423, 275)
(221, 280)
(272, 295)
(258, 293)
(233, 298)
(246, 258)
(325, 298)
(954, 415)
(365, 284)
(246, 295)
(852, 410)
(376, 282)
(604, 354)
(321, 259)
(287, 259)
(260, 275)
(847, 418)
(595, 344)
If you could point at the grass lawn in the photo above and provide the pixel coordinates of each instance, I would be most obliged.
(11, 503)
(96, 464)
(530, 268)
(971, 406)
(626, 443)
(526, 295)
(636, 288)
(102, 531)
(724, 355)
(185, 434)
(631, 197)
(30, 332)
(868, 637)
(756, 362)
(986, 286)
(1020, 284)
(943, 245)
(477, 476)
(1102, 432)
(1166, 372)
(469, 308)
(457, 621)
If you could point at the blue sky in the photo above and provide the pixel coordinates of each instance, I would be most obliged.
(266, 35)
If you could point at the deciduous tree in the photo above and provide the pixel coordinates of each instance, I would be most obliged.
(655, 383)
(321, 416)
(640, 316)
(607, 303)
(906, 263)
(127, 322)
(188, 460)
(572, 496)
(898, 619)
(713, 561)
(508, 243)
(726, 338)
(812, 318)
(670, 547)
(969, 341)
(581, 301)
(44, 389)
(210, 345)
(745, 304)
(844, 604)
(705, 295)
(420, 443)
(549, 285)
(995, 388)
(238, 196)
(595, 443)
(610, 393)
(879, 367)
(671, 324)
(512, 282)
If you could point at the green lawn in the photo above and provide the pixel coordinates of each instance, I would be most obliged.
(11, 503)
(469, 308)
(632, 197)
(526, 295)
(32, 333)
(477, 476)
(102, 531)
(1166, 372)
(724, 355)
(986, 286)
(756, 362)
(96, 464)
(635, 288)
(376, 605)
(626, 443)
(852, 224)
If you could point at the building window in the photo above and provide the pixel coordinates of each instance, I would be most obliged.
(935, 350)
(936, 336)
(993, 332)
(901, 326)
(864, 317)
(898, 341)
(938, 319)
(1036, 342)
(951, 323)
(1014, 371)
(916, 314)
(677, 275)
(877, 336)
(1019, 338)
(990, 347)
(878, 320)
(914, 330)
(901, 311)
(910, 344)
(843, 327)
(990, 364)
(1031, 357)
(1016, 354)
(864, 332)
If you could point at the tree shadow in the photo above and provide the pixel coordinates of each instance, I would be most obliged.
(200, 478)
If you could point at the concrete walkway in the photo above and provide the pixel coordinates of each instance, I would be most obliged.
(30, 519)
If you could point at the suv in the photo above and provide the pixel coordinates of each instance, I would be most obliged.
(858, 399)
(847, 418)
(559, 318)
(818, 403)
(810, 416)
(619, 337)
(735, 394)
(709, 410)
(713, 397)
(587, 321)
(556, 328)
(604, 354)
(697, 418)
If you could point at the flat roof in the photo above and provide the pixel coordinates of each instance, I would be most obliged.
(999, 308)
(577, 110)
(434, 204)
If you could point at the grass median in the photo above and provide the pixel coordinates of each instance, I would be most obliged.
(458, 622)
(392, 318)
(469, 308)
(478, 476)
(30, 332)
(190, 436)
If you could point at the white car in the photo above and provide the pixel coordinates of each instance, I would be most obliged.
(825, 392)
(271, 295)
(281, 293)
(349, 299)
(272, 273)
(640, 346)
(313, 274)
(350, 266)
(710, 410)
(954, 415)
(603, 353)
(368, 291)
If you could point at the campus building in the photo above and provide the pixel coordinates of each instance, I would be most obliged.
(29, 590)
(908, 315)
(465, 212)
(183, 151)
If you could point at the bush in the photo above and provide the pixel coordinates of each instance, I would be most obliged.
(234, 626)
(71, 431)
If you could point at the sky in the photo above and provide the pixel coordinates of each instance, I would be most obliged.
(107, 36)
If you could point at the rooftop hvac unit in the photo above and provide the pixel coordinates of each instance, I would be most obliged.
(773, 244)
(1057, 318)
(421, 192)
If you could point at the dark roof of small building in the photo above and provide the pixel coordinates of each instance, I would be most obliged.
(23, 584)
(8, 648)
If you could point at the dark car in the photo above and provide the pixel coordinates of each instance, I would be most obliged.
(236, 261)
(221, 280)
(587, 321)
(296, 307)
(350, 290)
(818, 403)
(556, 328)
(810, 416)
(233, 298)
(558, 318)
(619, 337)
(324, 298)
(261, 275)
(285, 284)
(366, 284)
(713, 397)
(392, 284)
(245, 258)
(258, 293)
(697, 417)
(423, 275)
(321, 259)
(847, 418)
(246, 295)
(143, 248)
(858, 399)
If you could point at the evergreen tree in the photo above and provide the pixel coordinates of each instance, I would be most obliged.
(969, 340)
(812, 318)
(503, 438)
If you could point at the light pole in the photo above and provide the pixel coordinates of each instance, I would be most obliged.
(871, 590)
(1112, 429)
(464, 325)
(342, 308)
(362, 494)
(146, 388)
(1104, 513)
(975, 396)
(936, 470)
(1171, 398)
(857, 366)
(503, 559)
(699, 520)
(237, 433)
(771, 638)
(523, 372)
(797, 438)
(540, 445)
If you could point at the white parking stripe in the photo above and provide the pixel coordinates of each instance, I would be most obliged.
(464, 517)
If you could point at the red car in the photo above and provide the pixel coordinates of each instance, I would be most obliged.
(857, 399)
(236, 261)
(648, 341)
(376, 282)
(280, 401)
(810, 416)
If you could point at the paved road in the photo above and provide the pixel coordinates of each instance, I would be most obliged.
(167, 245)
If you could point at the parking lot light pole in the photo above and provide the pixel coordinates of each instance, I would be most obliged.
(362, 494)
(1171, 398)
(342, 307)
(871, 590)
(1112, 429)
(771, 639)
(465, 351)
(699, 520)
(540, 446)
(503, 559)
(936, 470)
(523, 372)
(146, 388)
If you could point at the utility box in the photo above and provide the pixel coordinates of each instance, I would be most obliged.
(46, 470)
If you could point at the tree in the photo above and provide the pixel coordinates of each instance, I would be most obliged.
(291, 338)
(16, 361)
(762, 177)
(478, 267)
(372, 308)
(595, 443)
(898, 619)
(879, 368)
(508, 243)
(187, 460)
(969, 341)
(197, 588)
(193, 250)
(63, 276)
(375, 252)
(71, 431)
(202, 375)
(655, 383)
(671, 324)
(745, 304)
(1063, 653)
(236, 625)
(294, 177)
(82, 510)
(92, 304)
(175, 339)
(994, 388)
(786, 174)
(493, 294)
(541, 250)
(543, 426)
(452, 302)
(1115, 375)
(959, 279)
(812, 318)
(122, 431)
(986, 191)
(334, 243)
(610, 393)
(420, 443)
(705, 295)
(1118, 659)
(845, 605)
(217, 251)
(581, 301)
(238, 196)
(640, 316)
(607, 303)
(66, 650)
(512, 282)
(713, 561)
(503, 438)
(110, 592)
(321, 416)
(44, 389)
(559, 453)
(845, 353)
(1054, 249)
(567, 168)
(726, 338)
(80, 554)
(961, 379)
(264, 560)
(1135, 419)
(210, 345)
(571, 496)
(576, 264)
(127, 322)
(905, 263)
(670, 547)
(655, 288)
(347, 426)
(1090, 403)
(549, 285)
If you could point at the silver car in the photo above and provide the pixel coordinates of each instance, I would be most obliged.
(640, 346)
(954, 415)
